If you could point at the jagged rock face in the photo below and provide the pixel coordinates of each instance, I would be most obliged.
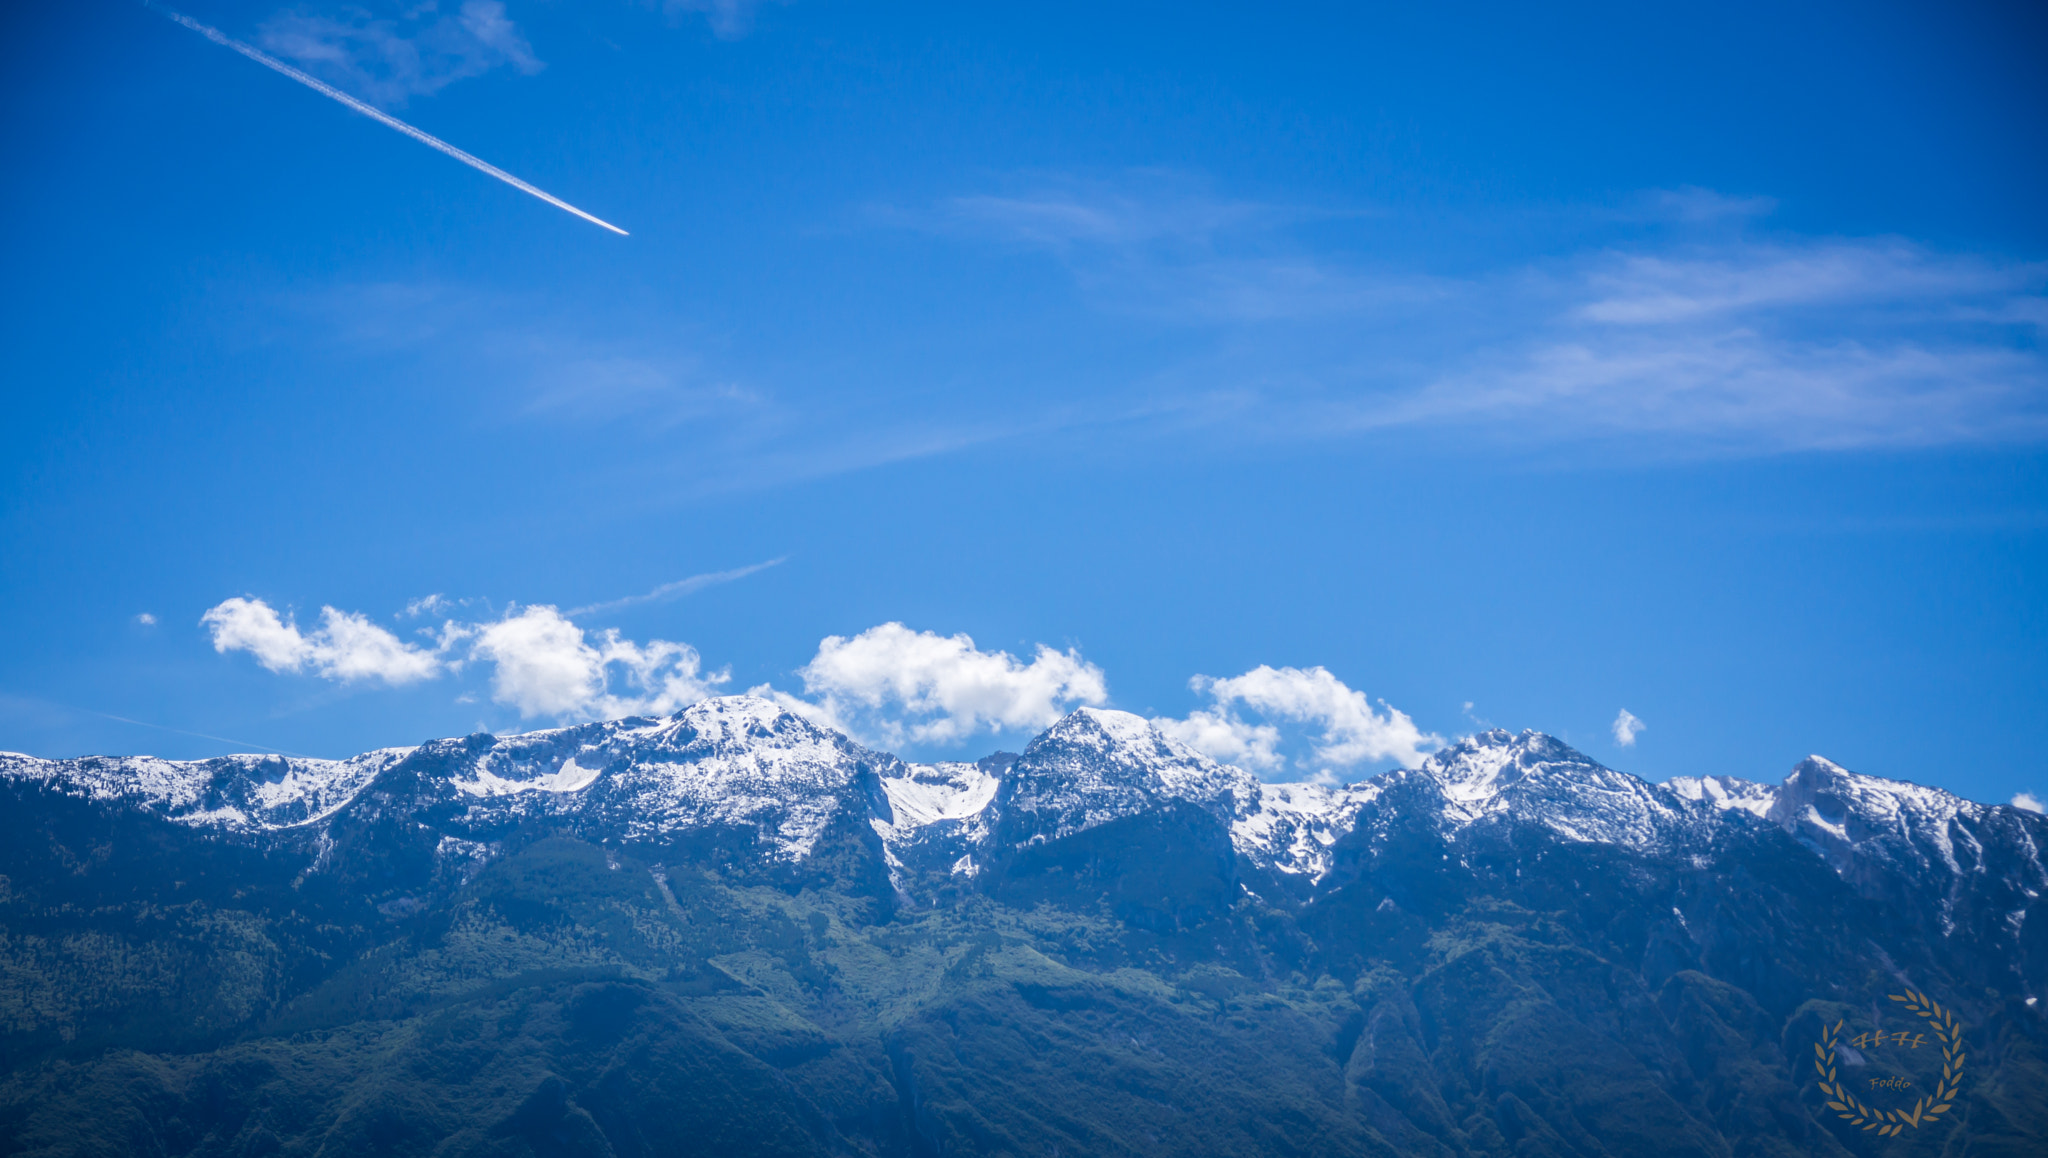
(1962, 872)
(1725, 792)
(1872, 830)
(1096, 766)
(745, 765)
(734, 920)
(1854, 820)
(1295, 825)
(234, 793)
(1533, 779)
(938, 814)
(738, 762)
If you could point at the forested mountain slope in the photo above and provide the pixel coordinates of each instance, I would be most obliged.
(731, 931)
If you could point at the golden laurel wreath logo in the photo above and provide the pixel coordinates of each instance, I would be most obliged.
(1929, 1107)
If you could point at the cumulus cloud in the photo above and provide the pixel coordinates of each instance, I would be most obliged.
(386, 60)
(889, 684)
(546, 666)
(1626, 728)
(345, 647)
(542, 663)
(899, 684)
(1349, 731)
(146, 619)
(2028, 801)
(1221, 735)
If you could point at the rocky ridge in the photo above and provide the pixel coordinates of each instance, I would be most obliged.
(733, 923)
(744, 764)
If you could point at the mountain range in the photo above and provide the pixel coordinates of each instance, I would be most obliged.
(734, 931)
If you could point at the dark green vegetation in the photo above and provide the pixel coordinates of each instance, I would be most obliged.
(1123, 991)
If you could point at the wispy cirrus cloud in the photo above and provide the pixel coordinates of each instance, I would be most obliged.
(1694, 205)
(1820, 345)
(417, 50)
(1068, 215)
(1702, 283)
(542, 363)
(631, 381)
(1736, 389)
(728, 19)
(656, 390)
(1238, 321)
(1161, 244)
(1696, 334)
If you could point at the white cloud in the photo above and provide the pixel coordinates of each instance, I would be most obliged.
(146, 619)
(1157, 208)
(542, 663)
(1694, 204)
(1351, 732)
(1648, 289)
(728, 18)
(1712, 341)
(2028, 801)
(346, 646)
(655, 392)
(1221, 735)
(433, 604)
(385, 61)
(1160, 245)
(1626, 728)
(924, 687)
(545, 666)
(1808, 346)
(1738, 387)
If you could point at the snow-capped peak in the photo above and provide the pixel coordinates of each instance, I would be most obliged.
(738, 761)
(1098, 765)
(1726, 792)
(746, 764)
(929, 793)
(1840, 812)
(734, 761)
(243, 793)
(1293, 827)
(1534, 777)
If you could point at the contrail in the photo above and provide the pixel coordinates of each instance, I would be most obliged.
(8, 700)
(424, 138)
(679, 588)
(201, 735)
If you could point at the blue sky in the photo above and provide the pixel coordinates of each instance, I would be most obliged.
(1513, 367)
